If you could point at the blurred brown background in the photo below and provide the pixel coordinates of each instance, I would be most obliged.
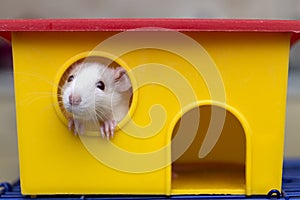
(241, 9)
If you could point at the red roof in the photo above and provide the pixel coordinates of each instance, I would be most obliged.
(290, 26)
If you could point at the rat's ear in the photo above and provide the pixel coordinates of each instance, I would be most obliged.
(122, 80)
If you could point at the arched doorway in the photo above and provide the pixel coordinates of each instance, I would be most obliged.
(223, 169)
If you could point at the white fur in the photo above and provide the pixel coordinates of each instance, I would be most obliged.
(110, 104)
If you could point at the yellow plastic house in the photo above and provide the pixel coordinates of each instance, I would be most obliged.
(207, 113)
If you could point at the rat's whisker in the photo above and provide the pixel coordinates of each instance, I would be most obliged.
(95, 120)
(31, 100)
(39, 77)
(102, 113)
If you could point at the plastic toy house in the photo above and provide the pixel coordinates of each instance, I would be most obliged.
(207, 113)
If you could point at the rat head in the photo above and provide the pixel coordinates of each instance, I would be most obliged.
(91, 90)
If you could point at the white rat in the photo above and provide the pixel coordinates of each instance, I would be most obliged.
(96, 93)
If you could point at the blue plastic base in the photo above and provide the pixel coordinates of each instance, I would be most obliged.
(290, 190)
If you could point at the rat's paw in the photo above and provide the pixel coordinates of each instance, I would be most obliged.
(107, 129)
(76, 126)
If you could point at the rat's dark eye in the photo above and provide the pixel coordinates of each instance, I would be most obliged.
(70, 78)
(100, 85)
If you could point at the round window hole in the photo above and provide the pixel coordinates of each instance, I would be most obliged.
(94, 95)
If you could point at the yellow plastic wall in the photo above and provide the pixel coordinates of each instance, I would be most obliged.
(243, 74)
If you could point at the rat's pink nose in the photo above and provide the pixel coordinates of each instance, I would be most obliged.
(74, 99)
